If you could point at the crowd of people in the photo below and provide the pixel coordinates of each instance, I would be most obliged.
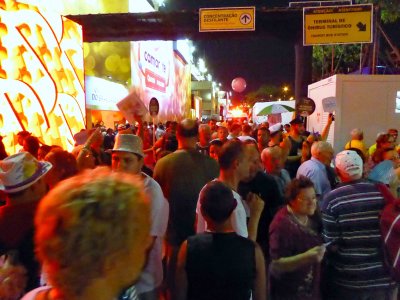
(191, 210)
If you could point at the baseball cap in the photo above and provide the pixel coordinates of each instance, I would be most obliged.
(349, 162)
(297, 120)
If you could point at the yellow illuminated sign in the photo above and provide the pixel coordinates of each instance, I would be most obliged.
(337, 25)
(227, 19)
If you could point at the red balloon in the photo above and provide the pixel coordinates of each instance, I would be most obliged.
(239, 84)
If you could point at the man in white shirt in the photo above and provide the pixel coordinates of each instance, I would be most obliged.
(127, 156)
(235, 162)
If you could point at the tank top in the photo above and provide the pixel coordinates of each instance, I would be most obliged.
(295, 146)
(220, 266)
(292, 166)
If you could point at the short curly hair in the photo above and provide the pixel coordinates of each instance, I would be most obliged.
(84, 220)
(295, 186)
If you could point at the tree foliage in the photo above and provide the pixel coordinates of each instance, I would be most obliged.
(346, 59)
(263, 94)
(390, 9)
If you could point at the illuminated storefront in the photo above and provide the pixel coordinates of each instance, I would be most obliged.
(43, 64)
(101, 101)
(158, 71)
(41, 76)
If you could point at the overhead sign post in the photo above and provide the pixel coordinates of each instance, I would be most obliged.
(227, 19)
(348, 24)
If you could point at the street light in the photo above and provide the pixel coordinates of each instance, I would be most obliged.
(285, 90)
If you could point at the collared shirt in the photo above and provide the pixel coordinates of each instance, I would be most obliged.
(316, 172)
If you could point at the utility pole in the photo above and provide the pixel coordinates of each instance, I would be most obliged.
(376, 41)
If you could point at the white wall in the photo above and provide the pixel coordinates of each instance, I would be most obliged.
(364, 101)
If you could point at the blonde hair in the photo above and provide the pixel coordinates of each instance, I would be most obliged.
(86, 219)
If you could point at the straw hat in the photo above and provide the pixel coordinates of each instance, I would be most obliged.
(128, 143)
(20, 171)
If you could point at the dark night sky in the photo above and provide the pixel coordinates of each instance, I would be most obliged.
(258, 60)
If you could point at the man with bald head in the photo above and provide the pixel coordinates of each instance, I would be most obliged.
(203, 145)
(181, 176)
(316, 167)
(273, 165)
(357, 141)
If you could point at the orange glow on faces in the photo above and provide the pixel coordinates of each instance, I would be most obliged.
(41, 76)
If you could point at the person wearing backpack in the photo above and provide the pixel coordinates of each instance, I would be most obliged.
(351, 224)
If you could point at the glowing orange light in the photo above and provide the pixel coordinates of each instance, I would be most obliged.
(41, 76)
(237, 112)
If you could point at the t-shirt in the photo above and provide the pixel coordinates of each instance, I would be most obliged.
(152, 274)
(289, 238)
(350, 216)
(182, 175)
(238, 217)
(295, 149)
(205, 150)
(357, 144)
(267, 189)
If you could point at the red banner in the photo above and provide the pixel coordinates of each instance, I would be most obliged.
(154, 81)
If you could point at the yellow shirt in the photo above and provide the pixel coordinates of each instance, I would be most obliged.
(356, 144)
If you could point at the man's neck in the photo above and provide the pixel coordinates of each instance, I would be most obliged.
(294, 135)
(321, 161)
(224, 227)
(229, 178)
(187, 144)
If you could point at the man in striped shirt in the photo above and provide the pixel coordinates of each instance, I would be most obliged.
(350, 216)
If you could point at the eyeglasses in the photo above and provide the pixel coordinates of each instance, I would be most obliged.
(313, 198)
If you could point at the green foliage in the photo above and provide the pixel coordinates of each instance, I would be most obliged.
(347, 57)
(390, 9)
(264, 93)
(346, 60)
